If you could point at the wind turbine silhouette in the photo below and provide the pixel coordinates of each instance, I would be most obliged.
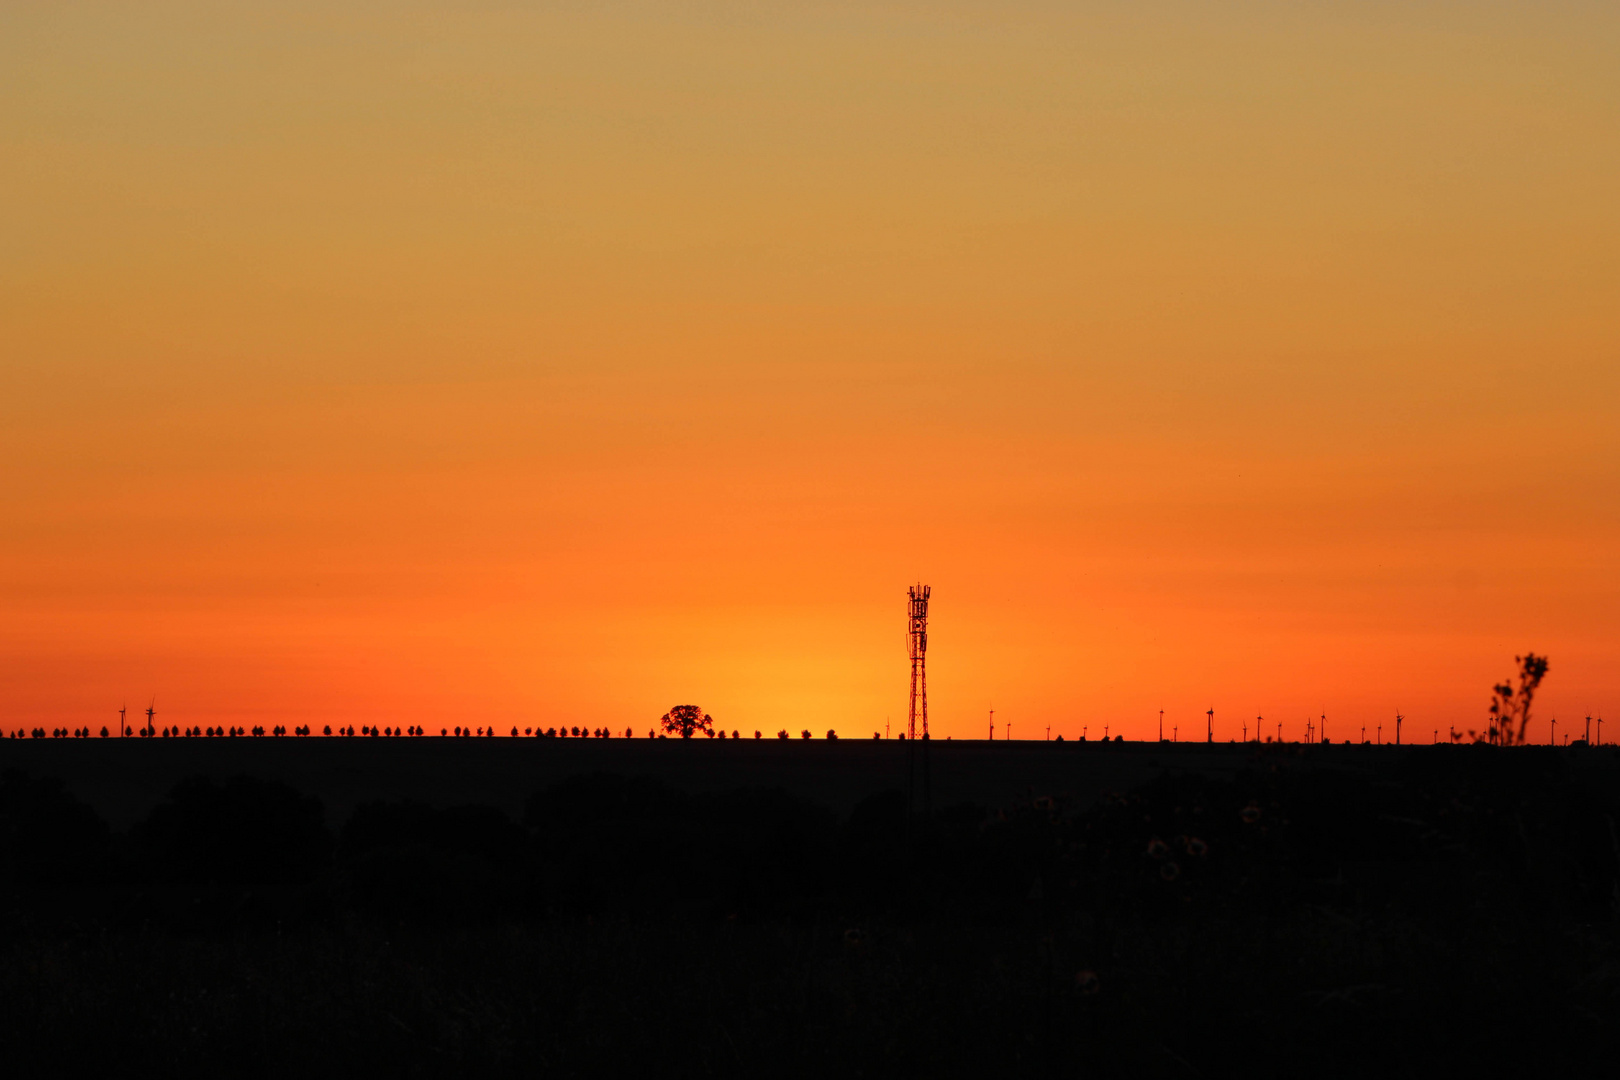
(121, 713)
(150, 711)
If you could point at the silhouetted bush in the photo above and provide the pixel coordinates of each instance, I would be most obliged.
(245, 831)
(612, 843)
(48, 839)
(464, 864)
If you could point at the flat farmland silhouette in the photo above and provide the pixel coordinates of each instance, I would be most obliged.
(460, 907)
(121, 779)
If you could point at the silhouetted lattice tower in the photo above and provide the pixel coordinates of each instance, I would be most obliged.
(917, 718)
(917, 721)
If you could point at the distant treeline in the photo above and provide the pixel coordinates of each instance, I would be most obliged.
(224, 731)
(231, 731)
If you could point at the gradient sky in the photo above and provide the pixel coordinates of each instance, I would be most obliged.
(558, 363)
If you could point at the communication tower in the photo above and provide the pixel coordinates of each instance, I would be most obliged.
(917, 718)
(917, 635)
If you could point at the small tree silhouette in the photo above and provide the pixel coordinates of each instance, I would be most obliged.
(805, 734)
(684, 720)
(782, 734)
(1508, 703)
(832, 736)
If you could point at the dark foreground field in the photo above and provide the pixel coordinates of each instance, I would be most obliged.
(507, 907)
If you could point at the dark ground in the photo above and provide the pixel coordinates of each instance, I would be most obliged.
(500, 907)
(123, 779)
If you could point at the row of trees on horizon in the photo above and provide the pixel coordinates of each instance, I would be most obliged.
(1508, 725)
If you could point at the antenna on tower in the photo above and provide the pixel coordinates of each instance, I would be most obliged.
(917, 716)
(917, 636)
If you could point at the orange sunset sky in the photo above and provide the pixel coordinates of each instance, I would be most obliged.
(523, 363)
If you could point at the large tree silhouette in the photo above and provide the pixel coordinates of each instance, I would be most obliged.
(683, 720)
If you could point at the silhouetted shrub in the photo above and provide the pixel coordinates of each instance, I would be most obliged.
(462, 864)
(246, 831)
(608, 842)
(48, 838)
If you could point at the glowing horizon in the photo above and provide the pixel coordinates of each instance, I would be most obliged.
(495, 365)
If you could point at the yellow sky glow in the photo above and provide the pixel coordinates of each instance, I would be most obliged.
(534, 363)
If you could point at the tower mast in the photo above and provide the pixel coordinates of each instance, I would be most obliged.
(917, 634)
(917, 715)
